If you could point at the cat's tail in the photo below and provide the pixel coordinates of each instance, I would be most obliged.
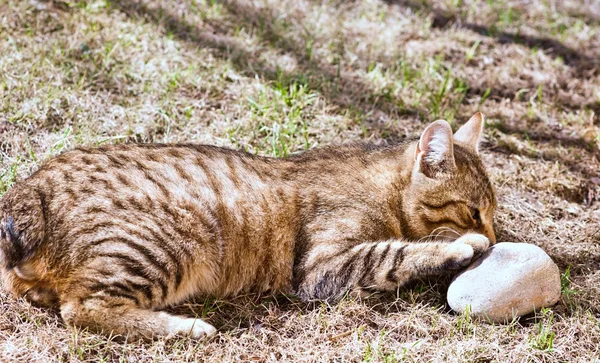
(22, 227)
(11, 249)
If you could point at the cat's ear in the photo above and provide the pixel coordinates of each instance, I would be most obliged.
(470, 133)
(435, 150)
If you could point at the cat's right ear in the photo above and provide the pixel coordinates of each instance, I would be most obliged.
(470, 133)
(434, 154)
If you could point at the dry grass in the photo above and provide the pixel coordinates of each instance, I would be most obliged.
(277, 77)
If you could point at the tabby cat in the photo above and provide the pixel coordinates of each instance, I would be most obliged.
(114, 234)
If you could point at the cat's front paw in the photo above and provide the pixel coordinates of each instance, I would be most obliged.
(459, 255)
(478, 242)
(462, 251)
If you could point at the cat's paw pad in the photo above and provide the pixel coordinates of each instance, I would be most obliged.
(478, 242)
(459, 255)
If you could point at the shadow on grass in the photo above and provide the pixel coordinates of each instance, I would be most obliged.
(255, 311)
(341, 88)
(581, 63)
(589, 14)
(552, 140)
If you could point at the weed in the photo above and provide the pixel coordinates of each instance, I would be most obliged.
(281, 126)
(471, 52)
(376, 351)
(464, 323)
(544, 340)
(566, 290)
(438, 97)
(9, 176)
(486, 94)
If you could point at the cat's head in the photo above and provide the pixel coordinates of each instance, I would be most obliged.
(450, 193)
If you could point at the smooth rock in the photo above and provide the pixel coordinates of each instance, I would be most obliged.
(508, 280)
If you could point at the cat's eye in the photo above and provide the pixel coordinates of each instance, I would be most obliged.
(476, 215)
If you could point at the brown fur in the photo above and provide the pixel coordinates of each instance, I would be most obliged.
(113, 233)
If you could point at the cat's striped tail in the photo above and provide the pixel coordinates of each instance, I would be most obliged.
(22, 226)
(11, 249)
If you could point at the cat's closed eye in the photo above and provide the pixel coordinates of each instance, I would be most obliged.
(476, 215)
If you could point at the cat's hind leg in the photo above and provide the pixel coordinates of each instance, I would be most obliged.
(115, 312)
(116, 293)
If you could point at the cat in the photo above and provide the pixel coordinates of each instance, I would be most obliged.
(113, 234)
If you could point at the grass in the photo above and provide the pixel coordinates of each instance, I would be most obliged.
(544, 340)
(276, 78)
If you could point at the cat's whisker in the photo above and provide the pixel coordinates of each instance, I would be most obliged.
(432, 236)
(427, 238)
(453, 231)
(438, 232)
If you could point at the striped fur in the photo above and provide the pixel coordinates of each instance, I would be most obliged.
(115, 233)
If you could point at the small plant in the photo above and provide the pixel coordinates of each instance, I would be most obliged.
(64, 142)
(421, 288)
(375, 351)
(8, 176)
(520, 93)
(540, 92)
(209, 306)
(464, 323)
(508, 16)
(486, 94)
(281, 126)
(407, 73)
(565, 288)
(437, 98)
(545, 339)
(310, 42)
(471, 52)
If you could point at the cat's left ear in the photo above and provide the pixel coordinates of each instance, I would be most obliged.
(470, 133)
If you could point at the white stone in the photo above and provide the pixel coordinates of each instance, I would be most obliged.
(507, 281)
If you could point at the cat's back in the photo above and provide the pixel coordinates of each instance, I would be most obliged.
(138, 175)
(158, 181)
(172, 203)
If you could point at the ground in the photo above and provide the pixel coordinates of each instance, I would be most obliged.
(276, 77)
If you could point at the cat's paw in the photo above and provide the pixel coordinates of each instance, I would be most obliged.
(478, 242)
(459, 255)
(462, 251)
(201, 329)
(194, 328)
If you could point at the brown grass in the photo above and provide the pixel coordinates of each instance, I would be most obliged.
(277, 77)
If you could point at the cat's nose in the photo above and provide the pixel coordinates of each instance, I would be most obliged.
(488, 231)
